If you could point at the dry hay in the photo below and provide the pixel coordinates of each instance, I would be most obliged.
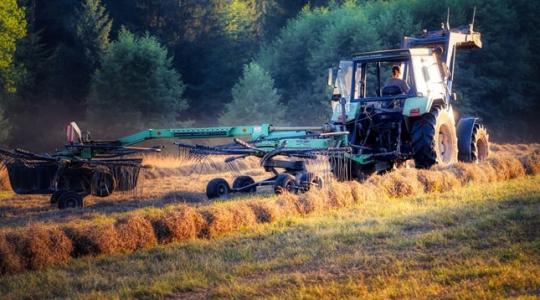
(93, 239)
(178, 165)
(532, 164)
(134, 232)
(506, 166)
(4, 178)
(224, 219)
(36, 246)
(399, 183)
(180, 224)
(286, 205)
(264, 212)
(468, 173)
(40, 246)
(310, 202)
(366, 191)
(242, 215)
(339, 195)
(437, 181)
(10, 262)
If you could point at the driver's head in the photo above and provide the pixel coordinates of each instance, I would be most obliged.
(396, 72)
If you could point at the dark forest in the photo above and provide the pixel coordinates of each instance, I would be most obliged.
(116, 66)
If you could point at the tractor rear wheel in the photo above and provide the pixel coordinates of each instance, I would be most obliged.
(434, 139)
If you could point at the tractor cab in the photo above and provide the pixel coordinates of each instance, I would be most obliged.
(360, 82)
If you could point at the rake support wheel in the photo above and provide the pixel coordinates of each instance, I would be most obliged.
(308, 179)
(69, 199)
(217, 187)
(285, 183)
(243, 181)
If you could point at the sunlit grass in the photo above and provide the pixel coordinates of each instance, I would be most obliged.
(473, 242)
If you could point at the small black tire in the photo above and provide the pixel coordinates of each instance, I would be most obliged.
(308, 179)
(54, 197)
(217, 187)
(285, 183)
(70, 199)
(243, 181)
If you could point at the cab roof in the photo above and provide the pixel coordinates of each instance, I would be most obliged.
(392, 55)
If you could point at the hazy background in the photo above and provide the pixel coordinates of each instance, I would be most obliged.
(116, 66)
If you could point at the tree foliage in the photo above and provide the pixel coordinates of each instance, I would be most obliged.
(255, 100)
(136, 85)
(93, 28)
(209, 42)
(12, 29)
(496, 83)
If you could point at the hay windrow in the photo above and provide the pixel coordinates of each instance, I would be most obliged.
(287, 205)
(41, 245)
(93, 240)
(398, 184)
(506, 166)
(532, 164)
(264, 211)
(311, 202)
(134, 232)
(219, 220)
(4, 178)
(10, 262)
(182, 223)
(339, 195)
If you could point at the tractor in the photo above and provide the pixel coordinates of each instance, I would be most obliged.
(388, 126)
(374, 128)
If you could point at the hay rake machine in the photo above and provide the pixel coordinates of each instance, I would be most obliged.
(86, 167)
(374, 128)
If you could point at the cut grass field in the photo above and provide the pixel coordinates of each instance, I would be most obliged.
(478, 241)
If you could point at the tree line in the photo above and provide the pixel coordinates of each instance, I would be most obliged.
(121, 65)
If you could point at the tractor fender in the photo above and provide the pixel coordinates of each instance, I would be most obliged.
(416, 106)
(465, 128)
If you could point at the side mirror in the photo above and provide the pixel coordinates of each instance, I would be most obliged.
(331, 82)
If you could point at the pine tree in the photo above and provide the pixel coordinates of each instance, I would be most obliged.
(135, 86)
(255, 100)
(93, 28)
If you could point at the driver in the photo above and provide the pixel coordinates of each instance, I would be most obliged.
(395, 80)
